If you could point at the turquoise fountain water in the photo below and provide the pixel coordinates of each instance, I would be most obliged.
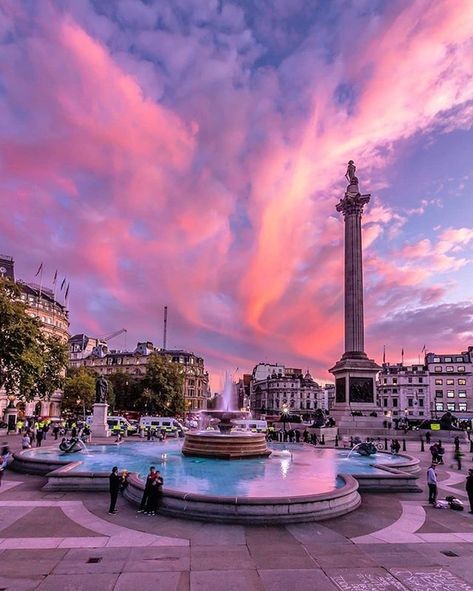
(290, 470)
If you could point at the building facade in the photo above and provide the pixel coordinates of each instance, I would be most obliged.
(96, 356)
(444, 382)
(451, 383)
(403, 391)
(274, 387)
(41, 303)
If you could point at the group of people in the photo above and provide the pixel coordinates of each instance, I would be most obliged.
(151, 496)
(432, 483)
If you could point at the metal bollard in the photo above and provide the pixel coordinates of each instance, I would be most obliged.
(471, 446)
(385, 443)
(322, 439)
(336, 440)
(403, 445)
(422, 444)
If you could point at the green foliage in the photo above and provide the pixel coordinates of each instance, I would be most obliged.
(126, 390)
(79, 390)
(162, 387)
(31, 363)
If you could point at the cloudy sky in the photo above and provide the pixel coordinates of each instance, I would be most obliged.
(191, 153)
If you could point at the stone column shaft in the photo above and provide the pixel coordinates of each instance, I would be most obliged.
(354, 324)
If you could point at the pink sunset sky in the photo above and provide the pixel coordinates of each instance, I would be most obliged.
(191, 153)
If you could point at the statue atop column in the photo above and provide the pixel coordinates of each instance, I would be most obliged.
(352, 201)
(101, 390)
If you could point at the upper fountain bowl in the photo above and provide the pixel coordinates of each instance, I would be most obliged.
(224, 443)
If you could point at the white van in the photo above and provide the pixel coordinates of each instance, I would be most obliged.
(172, 427)
(116, 424)
(251, 425)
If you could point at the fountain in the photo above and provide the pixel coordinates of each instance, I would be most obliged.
(224, 443)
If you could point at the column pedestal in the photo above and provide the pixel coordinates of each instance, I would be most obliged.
(11, 419)
(99, 427)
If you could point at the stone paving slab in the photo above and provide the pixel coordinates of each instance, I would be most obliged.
(229, 580)
(29, 563)
(79, 582)
(93, 561)
(163, 581)
(300, 580)
(433, 579)
(373, 579)
(158, 559)
(208, 558)
(214, 534)
(20, 583)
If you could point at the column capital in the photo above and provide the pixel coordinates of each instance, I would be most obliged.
(352, 203)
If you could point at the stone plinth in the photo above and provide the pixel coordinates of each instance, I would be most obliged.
(99, 427)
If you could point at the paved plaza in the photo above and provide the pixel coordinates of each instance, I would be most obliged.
(66, 541)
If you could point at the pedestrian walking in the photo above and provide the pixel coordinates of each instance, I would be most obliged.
(456, 442)
(427, 437)
(432, 484)
(469, 488)
(457, 456)
(56, 431)
(39, 438)
(115, 483)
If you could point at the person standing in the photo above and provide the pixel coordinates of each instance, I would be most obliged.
(39, 437)
(56, 431)
(456, 442)
(427, 437)
(152, 475)
(432, 484)
(469, 488)
(115, 482)
(155, 492)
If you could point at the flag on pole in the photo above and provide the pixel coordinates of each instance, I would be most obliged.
(63, 283)
(55, 278)
(40, 270)
(424, 349)
(67, 291)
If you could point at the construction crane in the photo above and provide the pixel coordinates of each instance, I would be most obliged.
(111, 336)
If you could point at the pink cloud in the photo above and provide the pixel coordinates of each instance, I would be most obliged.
(172, 166)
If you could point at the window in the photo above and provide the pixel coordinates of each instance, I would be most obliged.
(395, 402)
(449, 368)
(421, 390)
(438, 369)
(421, 413)
(462, 406)
(447, 359)
(409, 380)
(385, 402)
(421, 380)
(451, 406)
(394, 390)
(450, 382)
(421, 402)
(461, 393)
(462, 382)
(460, 359)
(438, 381)
(394, 380)
(410, 402)
(438, 393)
(436, 359)
(439, 406)
(461, 368)
(450, 393)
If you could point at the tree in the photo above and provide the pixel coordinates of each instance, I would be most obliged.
(31, 363)
(162, 385)
(79, 390)
(125, 389)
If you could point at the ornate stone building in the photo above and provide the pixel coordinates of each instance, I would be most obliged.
(96, 356)
(54, 317)
(274, 386)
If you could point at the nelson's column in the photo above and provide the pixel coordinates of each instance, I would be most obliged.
(355, 374)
